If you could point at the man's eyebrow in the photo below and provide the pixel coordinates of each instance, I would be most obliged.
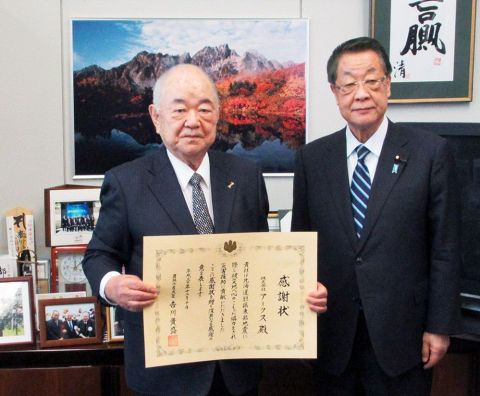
(181, 101)
(202, 101)
(206, 100)
(370, 70)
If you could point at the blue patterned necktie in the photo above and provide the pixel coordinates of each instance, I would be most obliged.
(201, 217)
(360, 189)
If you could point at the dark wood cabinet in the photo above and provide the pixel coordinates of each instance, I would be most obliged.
(98, 370)
(86, 370)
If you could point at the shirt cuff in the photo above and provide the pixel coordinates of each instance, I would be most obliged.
(103, 283)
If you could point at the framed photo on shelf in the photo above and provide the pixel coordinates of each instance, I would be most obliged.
(52, 296)
(16, 312)
(67, 271)
(71, 213)
(431, 48)
(69, 321)
(115, 329)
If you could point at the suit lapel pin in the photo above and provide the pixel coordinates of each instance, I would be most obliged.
(396, 163)
(231, 184)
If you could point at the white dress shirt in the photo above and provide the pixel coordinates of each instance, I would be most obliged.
(184, 174)
(374, 144)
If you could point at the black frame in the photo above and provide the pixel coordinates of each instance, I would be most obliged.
(458, 90)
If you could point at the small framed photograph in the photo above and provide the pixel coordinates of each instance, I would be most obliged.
(16, 312)
(71, 213)
(51, 296)
(69, 321)
(115, 329)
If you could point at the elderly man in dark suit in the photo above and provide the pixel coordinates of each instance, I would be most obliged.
(86, 326)
(384, 202)
(153, 196)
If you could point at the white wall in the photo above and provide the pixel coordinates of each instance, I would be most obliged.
(31, 113)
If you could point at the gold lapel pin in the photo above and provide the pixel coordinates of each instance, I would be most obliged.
(231, 184)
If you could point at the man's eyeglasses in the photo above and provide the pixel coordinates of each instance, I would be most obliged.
(370, 84)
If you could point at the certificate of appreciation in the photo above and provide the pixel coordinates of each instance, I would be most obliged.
(230, 296)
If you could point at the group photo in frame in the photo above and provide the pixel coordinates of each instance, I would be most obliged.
(431, 48)
(259, 67)
(69, 321)
(115, 324)
(16, 312)
(71, 213)
(53, 296)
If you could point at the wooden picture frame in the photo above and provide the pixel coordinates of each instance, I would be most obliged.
(16, 312)
(115, 327)
(71, 213)
(51, 296)
(86, 326)
(431, 48)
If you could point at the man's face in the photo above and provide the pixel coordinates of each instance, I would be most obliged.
(55, 315)
(187, 115)
(364, 108)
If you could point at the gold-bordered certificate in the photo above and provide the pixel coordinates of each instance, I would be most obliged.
(230, 296)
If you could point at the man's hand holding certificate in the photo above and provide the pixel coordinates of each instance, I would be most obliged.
(230, 296)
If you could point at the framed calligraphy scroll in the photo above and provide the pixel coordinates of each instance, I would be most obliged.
(230, 296)
(430, 44)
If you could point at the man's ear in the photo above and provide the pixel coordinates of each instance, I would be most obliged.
(154, 115)
(334, 91)
(389, 85)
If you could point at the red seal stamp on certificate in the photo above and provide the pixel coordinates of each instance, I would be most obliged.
(173, 340)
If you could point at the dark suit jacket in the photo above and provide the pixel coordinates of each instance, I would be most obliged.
(404, 270)
(70, 333)
(54, 330)
(144, 198)
(86, 329)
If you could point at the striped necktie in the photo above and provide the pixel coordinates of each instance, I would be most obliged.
(360, 189)
(201, 217)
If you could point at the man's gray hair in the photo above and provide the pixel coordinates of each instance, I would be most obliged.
(159, 84)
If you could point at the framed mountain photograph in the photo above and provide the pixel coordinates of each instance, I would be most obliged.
(259, 67)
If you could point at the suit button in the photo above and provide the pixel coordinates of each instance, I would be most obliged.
(359, 260)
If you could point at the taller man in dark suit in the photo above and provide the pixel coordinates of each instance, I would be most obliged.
(383, 200)
(153, 196)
